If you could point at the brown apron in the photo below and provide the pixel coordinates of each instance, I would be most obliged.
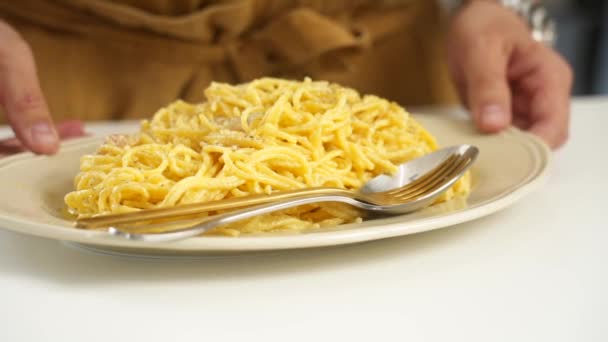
(115, 59)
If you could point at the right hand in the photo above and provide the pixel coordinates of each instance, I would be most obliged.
(21, 97)
(505, 77)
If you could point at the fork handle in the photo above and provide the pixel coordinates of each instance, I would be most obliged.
(235, 216)
(193, 209)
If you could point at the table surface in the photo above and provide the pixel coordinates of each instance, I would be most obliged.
(536, 271)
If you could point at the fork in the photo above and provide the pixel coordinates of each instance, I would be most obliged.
(410, 197)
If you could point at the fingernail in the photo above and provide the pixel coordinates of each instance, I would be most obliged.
(43, 134)
(493, 116)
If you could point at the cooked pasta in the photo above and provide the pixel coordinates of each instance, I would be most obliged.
(259, 137)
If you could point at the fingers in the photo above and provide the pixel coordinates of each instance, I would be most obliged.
(66, 130)
(552, 118)
(10, 146)
(505, 77)
(480, 42)
(487, 91)
(21, 96)
(71, 129)
(545, 80)
(479, 66)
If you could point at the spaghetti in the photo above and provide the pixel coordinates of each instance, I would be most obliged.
(259, 137)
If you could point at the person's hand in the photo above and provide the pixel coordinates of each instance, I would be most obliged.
(23, 102)
(65, 130)
(504, 77)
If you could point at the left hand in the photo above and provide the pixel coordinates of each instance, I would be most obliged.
(65, 130)
(505, 77)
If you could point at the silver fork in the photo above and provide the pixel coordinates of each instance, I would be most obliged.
(412, 196)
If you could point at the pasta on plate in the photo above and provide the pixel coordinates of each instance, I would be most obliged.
(259, 137)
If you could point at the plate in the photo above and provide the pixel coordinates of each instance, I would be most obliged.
(510, 165)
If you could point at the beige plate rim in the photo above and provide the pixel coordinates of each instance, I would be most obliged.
(385, 228)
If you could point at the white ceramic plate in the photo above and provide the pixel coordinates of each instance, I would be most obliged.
(510, 165)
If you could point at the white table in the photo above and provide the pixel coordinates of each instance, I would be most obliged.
(537, 271)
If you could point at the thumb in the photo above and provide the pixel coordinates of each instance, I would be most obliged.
(484, 71)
